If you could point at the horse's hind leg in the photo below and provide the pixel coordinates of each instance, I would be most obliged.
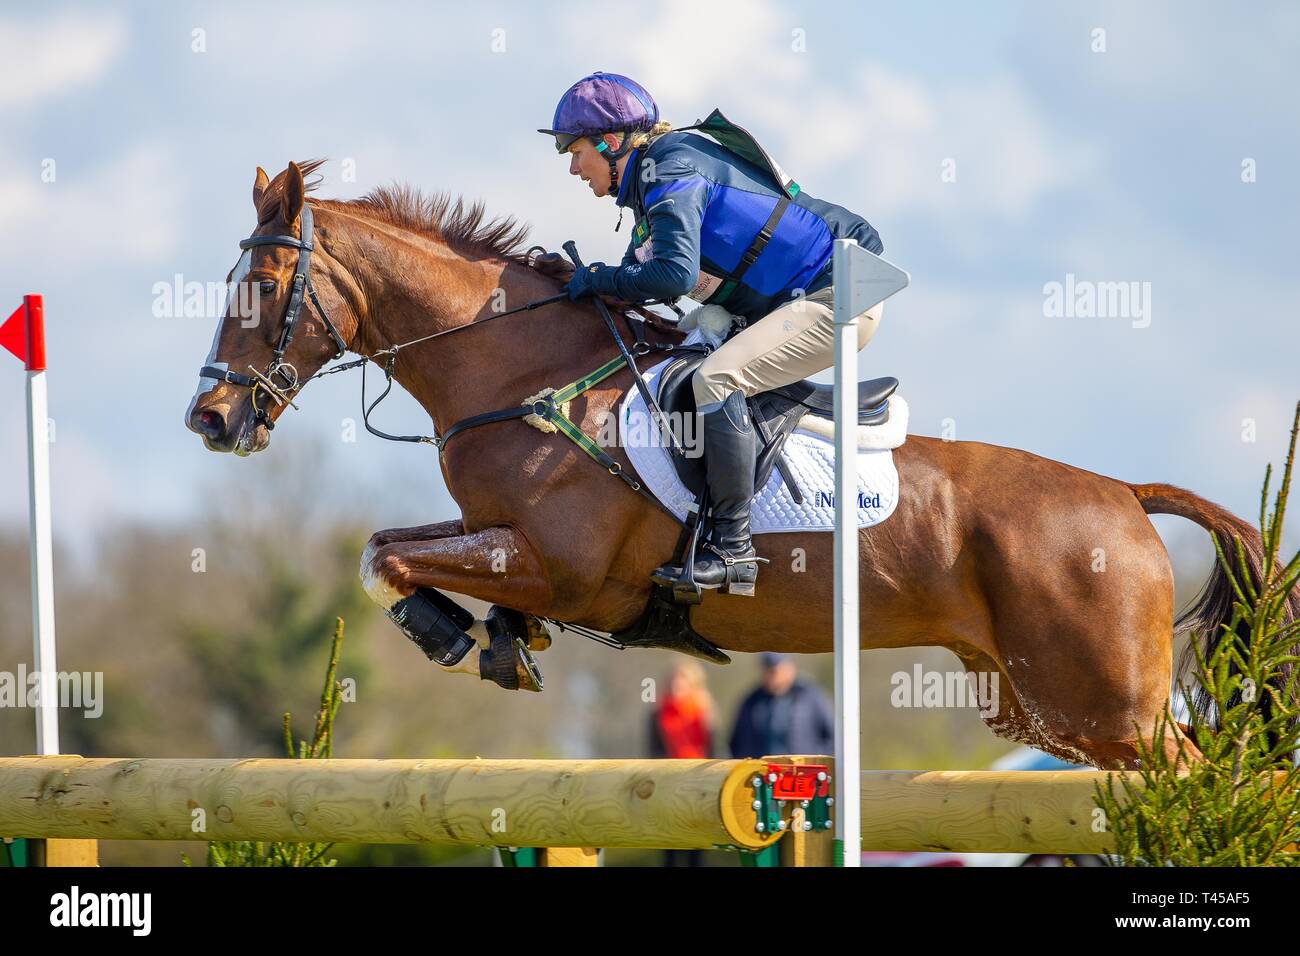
(1087, 647)
(1011, 720)
(1005, 717)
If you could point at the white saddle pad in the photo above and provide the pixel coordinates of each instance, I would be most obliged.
(810, 452)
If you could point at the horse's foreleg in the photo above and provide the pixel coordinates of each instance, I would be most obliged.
(496, 564)
(421, 532)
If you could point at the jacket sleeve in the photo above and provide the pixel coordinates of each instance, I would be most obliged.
(675, 207)
(629, 257)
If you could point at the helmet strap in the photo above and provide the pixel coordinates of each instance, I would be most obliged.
(612, 156)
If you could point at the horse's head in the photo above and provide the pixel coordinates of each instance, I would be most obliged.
(276, 332)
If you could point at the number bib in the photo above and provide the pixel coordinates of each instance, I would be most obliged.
(643, 250)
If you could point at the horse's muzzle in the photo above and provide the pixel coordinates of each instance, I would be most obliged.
(227, 430)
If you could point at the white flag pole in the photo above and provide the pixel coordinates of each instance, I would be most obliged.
(861, 280)
(42, 553)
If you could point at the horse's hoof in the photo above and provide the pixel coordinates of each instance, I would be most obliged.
(508, 663)
(527, 673)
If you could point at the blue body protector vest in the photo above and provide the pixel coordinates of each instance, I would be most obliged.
(723, 223)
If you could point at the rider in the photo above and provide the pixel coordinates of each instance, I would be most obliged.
(724, 230)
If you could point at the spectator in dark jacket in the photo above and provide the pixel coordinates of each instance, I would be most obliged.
(786, 715)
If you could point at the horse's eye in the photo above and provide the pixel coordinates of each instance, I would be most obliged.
(267, 286)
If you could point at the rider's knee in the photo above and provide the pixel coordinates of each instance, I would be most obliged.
(714, 385)
(868, 322)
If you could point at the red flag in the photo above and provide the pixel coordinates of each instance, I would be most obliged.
(13, 334)
(23, 333)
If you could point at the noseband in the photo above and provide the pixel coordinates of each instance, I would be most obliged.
(288, 375)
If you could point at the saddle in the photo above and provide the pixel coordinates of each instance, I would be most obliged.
(776, 414)
(665, 622)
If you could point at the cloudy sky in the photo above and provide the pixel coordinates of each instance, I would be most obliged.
(997, 150)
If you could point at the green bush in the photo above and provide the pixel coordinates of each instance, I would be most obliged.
(321, 746)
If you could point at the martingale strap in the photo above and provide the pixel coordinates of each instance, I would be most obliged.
(548, 408)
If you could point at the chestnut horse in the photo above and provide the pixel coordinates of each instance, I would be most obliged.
(1049, 577)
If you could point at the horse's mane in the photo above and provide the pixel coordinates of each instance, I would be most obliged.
(440, 216)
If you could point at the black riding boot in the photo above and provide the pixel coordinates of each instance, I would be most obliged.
(729, 454)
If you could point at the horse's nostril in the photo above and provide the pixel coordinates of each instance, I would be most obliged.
(209, 423)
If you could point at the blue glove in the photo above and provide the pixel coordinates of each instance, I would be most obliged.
(584, 280)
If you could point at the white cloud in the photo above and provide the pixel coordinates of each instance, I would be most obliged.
(129, 210)
(688, 50)
(330, 38)
(868, 137)
(884, 137)
(45, 59)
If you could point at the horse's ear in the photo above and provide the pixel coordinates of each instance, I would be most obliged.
(260, 182)
(294, 193)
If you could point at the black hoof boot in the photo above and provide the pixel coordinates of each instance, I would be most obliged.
(508, 621)
(436, 624)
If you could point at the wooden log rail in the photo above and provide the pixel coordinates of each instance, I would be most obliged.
(680, 804)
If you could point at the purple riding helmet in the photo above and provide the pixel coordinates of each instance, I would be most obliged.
(603, 103)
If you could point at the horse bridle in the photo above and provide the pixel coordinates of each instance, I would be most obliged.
(292, 313)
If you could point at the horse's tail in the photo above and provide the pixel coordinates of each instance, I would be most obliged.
(1211, 612)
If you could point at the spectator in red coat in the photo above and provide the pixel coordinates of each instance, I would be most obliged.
(683, 721)
(682, 727)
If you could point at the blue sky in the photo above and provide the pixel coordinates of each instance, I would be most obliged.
(1122, 165)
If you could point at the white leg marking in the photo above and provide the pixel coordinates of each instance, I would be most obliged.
(380, 591)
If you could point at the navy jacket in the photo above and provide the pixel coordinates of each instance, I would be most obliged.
(797, 722)
(698, 214)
